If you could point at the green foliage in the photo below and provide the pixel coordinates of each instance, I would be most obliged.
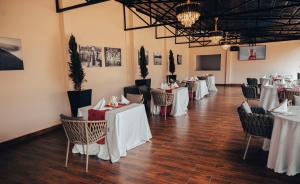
(171, 63)
(143, 63)
(76, 72)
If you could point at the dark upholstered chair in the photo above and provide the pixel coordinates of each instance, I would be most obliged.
(254, 82)
(249, 92)
(258, 123)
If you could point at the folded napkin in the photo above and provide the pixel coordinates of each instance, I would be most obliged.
(282, 108)
(265, 76)
(124, 100)
(175, 85)
(100, 105)
(266, 83)
(163, 86)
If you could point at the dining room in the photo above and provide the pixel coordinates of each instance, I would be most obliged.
(150, 91)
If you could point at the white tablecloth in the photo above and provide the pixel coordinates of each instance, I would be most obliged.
(180, 102)
(268, 97)
(284, 154)
(211, 84)
(127, 128)
(201, 89)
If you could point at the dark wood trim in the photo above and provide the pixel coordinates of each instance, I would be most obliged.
(28, 137)
(229, 85)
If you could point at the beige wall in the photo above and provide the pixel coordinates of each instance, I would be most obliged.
(281, 58)
(32, 99)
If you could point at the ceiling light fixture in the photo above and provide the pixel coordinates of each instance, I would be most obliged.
(188, 13)
(216, 35)
(226, 43)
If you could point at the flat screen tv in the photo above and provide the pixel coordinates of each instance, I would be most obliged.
(249, 53)
(208, 62)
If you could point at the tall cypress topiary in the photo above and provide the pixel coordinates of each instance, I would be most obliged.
(143, 63)
(171, 63)
(75, 68)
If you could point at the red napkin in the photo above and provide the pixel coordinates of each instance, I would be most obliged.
(97, 115)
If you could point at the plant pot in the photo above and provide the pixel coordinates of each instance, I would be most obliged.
(141, 82)
(79, 99)
(171, 77)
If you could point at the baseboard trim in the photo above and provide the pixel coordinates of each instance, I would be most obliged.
(28, 137)
(229, 85)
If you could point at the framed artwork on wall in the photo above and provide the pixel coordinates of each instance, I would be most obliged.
(112, 56)
(90, 56)
(179, 59)
(249, 53)
(11, 54)
(157, 58)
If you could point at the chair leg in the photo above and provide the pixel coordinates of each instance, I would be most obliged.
(246, 150)
(165, 112)
(87, 158)
(67, 155)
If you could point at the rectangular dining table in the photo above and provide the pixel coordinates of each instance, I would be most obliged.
(127, 128)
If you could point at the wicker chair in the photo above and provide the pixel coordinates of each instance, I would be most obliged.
(258, 123)
(289, 95)
(162, 99)
(192, 89)
(135, 98)
(84, 133)
(249, 92)
(254, 82)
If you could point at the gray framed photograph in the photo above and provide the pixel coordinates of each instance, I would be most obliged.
(112, 56)
(11, 54)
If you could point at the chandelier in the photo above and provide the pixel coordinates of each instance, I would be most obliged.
(188, 13)
(215, 36)
(226, 43)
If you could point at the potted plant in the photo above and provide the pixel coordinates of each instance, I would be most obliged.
(171, 67)
(77, 97)
(143, 69)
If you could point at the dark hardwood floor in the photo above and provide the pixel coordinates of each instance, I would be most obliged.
(203, 147)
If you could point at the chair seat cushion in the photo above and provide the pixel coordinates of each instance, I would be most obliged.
(297, 100)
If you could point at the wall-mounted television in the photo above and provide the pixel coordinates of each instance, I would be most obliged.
(208, 62)
(247, 53)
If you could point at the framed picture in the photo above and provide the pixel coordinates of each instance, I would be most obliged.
(90, 56)
(147, 57)
(157, 58)
(112, 56)
(11, 54)
(179, 59)
(249, 53)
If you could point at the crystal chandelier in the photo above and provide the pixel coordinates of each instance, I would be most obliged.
(226, 43)
(188, 13)
(215, 36)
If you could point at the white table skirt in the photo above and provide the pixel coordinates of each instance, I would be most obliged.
(211, 84)
(284, 154)
(268, 97)
(127, 128)
(180, 102)
(201, 89)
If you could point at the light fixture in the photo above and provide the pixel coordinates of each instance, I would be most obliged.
(188, 13)
(226, 43)
(215, 36)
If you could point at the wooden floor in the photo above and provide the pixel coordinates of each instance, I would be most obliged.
(203, 147)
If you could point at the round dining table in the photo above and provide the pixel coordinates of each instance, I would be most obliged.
(284, 152)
